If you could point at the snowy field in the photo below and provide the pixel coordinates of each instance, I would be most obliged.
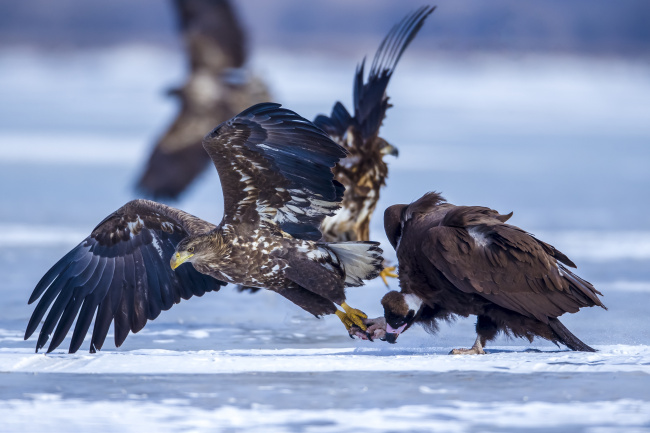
(563, 143)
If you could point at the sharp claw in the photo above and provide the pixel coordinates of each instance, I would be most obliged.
(357, 321)
(363, 335)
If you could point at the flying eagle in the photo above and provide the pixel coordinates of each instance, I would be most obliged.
(275, 171)
(465, 260)
(363, 172)
(218, 88)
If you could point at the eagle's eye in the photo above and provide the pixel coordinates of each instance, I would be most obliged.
(190, 250)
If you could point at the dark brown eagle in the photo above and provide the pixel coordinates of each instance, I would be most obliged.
(218, 88)
(363, 172)
(465, 260)
(275, 171)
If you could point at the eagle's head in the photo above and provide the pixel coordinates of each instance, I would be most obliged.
(396, 216)
(400, 311)
(393, 223)
(385, 148)
(193, 249)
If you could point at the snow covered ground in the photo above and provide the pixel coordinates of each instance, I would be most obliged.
(561, 142)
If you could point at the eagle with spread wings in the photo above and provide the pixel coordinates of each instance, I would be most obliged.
(217, 88)
(363, 172)
(276, 174)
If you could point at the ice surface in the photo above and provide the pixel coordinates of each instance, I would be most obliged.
(515, 360)
(561, 142)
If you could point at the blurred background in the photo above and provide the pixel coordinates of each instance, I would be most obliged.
(570, 27)
(538, 108)
(541, 108)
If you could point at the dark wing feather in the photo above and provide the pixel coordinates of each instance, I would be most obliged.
(337, 124)
(121, 273)
(505, 265)
(370, 100)
(275, 169)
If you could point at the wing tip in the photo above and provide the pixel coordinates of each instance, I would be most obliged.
(398, 39)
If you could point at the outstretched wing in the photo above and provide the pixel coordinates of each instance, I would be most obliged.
(121, 273)
(370, 100)
(276, 169)
(505, 265)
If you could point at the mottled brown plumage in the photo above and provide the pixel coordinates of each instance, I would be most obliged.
(363, 172)
(275, 171)
(217, 88)
(465, 260)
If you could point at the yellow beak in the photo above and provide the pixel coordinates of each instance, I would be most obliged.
(179, 258)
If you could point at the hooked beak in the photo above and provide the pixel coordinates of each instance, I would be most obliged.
(389, 149)
(392, 333)
(179, 258)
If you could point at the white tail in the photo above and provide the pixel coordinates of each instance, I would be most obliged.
(360, 260)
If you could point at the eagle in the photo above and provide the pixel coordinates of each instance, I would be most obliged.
(276, 175)
(465, 260)
(218, 87)
(363, 172)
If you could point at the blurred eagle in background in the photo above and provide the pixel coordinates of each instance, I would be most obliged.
(276, 175)
(363, 172)
(218, 88)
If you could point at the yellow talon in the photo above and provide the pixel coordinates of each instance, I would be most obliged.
(388, 272)
(354, 315)
(345, 319)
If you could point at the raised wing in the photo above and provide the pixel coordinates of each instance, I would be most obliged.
(370, 100)
(276, 169)
(121, 274)
(506, 265)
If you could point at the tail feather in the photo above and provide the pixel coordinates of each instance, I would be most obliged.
(567, 338)
(360, 260)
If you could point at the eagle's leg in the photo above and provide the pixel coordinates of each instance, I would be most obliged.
(477, 349)
(388, 272)
(351, 317)
(345, 319)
